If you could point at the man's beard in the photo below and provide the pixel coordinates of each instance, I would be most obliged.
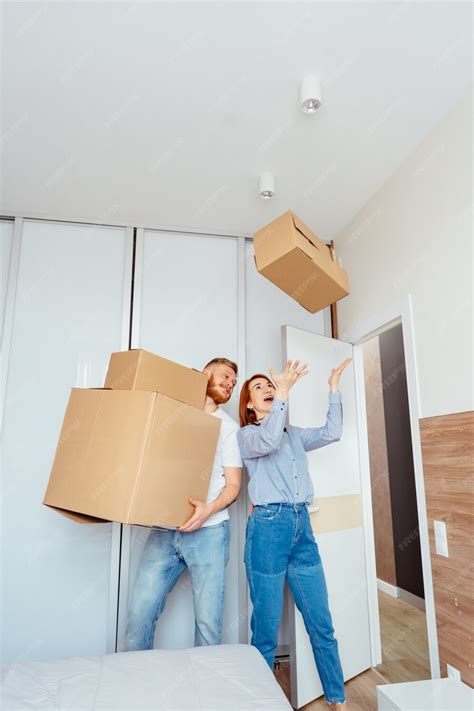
(214, 393)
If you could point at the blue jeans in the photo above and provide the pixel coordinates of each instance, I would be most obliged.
(280, 546)
(166, 554)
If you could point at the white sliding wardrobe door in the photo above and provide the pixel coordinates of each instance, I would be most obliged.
(267, 308)
(338, 525)
(186, 309)
(67, 320)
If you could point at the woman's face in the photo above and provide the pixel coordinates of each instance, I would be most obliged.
(261, 396)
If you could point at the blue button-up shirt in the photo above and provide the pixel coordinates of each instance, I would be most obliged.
(275, 456)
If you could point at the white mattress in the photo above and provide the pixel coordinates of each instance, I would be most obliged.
(219, 678)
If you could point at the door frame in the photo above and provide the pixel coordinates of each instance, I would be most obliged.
(358, 335)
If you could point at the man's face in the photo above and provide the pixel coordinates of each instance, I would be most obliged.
(221, 382)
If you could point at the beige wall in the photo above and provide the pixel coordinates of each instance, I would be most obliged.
(415, 236)
(379, 478)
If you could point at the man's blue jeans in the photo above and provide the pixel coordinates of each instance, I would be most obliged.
(166, 554)
(280, 546)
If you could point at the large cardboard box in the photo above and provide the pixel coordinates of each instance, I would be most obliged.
(291, 256)
(131, 456)
(138, 369)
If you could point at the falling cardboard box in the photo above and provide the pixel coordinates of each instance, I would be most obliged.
(290, 255)
(133, 457)
(138, 369)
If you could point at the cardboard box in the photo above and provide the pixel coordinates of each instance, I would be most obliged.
(131, 456)
(290, 255)
(138, 369)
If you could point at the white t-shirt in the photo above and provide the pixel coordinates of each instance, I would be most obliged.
(227, 455)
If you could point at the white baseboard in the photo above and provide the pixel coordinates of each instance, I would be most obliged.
(411, 599)
(388, 588)
(404, 595)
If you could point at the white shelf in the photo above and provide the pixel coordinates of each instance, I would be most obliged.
(430, 695)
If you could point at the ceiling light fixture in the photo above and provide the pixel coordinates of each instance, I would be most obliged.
(266, 186)
(310, 94)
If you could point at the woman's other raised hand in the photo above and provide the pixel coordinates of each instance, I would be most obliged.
(336, 374)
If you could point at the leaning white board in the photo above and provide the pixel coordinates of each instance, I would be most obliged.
(335, 472)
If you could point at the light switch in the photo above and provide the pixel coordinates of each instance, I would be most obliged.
(441, 539)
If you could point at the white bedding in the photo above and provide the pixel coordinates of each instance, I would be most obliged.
(231, 677)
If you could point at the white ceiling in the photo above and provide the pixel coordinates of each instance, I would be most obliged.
(163, 114)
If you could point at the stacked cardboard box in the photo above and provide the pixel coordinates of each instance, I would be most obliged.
(291, 256)
(136, 450)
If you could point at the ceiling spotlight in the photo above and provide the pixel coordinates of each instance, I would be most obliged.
(266, 186)
(310, 94)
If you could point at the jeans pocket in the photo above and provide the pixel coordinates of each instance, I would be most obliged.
(267, 513)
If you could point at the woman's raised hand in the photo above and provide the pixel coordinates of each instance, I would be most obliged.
(292, 372)
(336, 374)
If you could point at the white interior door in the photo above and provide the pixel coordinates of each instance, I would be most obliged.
(338, 520)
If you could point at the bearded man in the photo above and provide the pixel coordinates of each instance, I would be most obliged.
(201, 545)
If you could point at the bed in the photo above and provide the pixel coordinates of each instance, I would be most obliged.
(228, 677)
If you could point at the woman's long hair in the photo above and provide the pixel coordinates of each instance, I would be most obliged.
(248, 417)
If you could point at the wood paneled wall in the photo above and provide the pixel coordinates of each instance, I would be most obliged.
(448, 463)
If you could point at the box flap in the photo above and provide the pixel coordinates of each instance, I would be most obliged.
(305, 231)
(79, 517)
(324, 250)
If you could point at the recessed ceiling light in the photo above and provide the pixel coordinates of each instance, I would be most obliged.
(266, 186)
(310, 94)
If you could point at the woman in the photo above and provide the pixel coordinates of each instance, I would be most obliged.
(280, 544)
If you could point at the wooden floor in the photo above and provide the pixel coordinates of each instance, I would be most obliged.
(405, 654)
(404, 657)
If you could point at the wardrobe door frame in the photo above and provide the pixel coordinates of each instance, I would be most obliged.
(117, 528)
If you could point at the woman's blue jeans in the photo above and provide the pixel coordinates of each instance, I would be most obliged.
(280, 546)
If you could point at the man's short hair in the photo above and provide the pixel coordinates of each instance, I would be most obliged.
(223, 361)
